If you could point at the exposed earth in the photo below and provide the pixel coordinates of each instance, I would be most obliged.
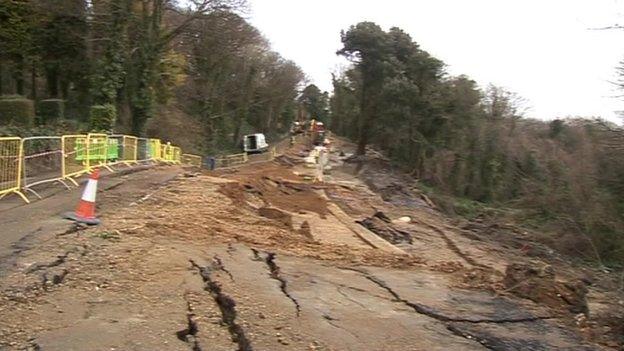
(261, 257)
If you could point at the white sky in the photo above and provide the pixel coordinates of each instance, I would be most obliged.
(541, 50)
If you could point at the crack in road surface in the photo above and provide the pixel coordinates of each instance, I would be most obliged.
(424, 310)
(469, 336)
(60, 259)
(230, 249)
(74, 228)
(53, 277)
(189, 334)
(256, 254)
(453, 247)
(219, 265)
(275, 274)
(227, 306)
(331, 321)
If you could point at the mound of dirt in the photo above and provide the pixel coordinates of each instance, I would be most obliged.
(539, 285)
(381, 225)
(276, 214)
(276, 186)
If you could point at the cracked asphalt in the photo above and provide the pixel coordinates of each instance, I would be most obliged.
(201, 264)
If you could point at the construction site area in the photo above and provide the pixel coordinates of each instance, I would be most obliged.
(280, 253)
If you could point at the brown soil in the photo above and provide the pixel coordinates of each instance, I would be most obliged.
(276, 185)
(539, 284)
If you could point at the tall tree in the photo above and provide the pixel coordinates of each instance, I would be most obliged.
(17, 47)
(367, 45)
(315, 102)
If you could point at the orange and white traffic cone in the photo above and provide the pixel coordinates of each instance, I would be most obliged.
(85, 212)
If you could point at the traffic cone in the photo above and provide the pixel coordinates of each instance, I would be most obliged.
(85, 212)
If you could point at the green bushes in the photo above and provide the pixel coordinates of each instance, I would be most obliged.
(102, 117)
(50, 110)
(17, 110)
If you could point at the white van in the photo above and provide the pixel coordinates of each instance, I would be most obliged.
(254, 143)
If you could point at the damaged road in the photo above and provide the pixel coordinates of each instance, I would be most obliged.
(260, 258)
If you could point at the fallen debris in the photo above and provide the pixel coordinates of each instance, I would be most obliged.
(539, 285)
(276, 214)
(381, 225)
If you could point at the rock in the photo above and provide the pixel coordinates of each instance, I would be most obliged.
(404, 219)
(305, 230)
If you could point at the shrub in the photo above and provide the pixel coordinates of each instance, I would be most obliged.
(103, 117)
(17, 110)
(50, 110)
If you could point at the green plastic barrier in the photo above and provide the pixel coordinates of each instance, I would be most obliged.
(97, 152)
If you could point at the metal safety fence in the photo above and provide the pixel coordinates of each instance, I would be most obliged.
(42, 162)
(143, 150)
(191, 160)
(230, 160)
(26, 163)
(11, 167)
(176, 154)
(99, 150)
(167, 153)
(155, 149)
(74, 149)
(123, 149)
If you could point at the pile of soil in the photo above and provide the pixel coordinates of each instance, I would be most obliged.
(276, 187)
(277, 215)
(539, 285)
(381, 225)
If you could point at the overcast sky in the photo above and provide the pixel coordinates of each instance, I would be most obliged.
(541, 50)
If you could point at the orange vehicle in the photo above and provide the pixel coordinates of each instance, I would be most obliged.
(317, 132)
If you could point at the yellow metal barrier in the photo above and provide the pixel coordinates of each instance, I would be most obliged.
(231, 160)
(74, 161)
(27, 162)
(155, 149)
(176, 154)
(193, 160)
(143, 150)
(129, 154)
(122, 149)
(167, 153)
(98, 149)
(163, 153)
(11, 167)
(42, 162)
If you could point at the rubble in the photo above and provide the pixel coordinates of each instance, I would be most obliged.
(539, 284)
(381, 225)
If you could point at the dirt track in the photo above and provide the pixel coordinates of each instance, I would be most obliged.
(258, 258)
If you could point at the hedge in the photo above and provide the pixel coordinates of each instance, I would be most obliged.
(102, 117)
(50, 110)
(17, 110)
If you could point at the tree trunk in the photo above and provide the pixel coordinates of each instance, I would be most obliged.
(366, 114)
(18, 75)
(52, 78)
(269, 119)
(362, 141)
(1, 78)
(33, 82)
(64, 88)
(139, 115)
